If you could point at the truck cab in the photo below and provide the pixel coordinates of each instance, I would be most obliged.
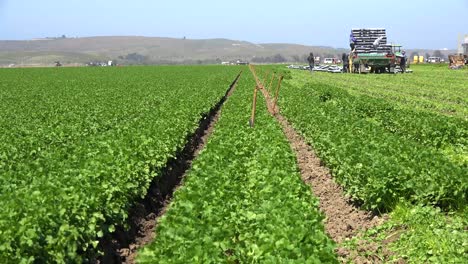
(329, 61)
(433, 60)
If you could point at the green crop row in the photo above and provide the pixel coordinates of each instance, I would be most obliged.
(78, 146)
(243, 201)
(415, 234)
(425, 128)
(428, 89)
(378, 152)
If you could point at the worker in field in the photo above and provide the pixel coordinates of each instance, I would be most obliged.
(352, 41)
(345, 60)
(403, 62)
(311, 60)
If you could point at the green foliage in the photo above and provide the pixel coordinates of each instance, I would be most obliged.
(430, 236)
(378, 150)
(79, 145)
(278, 71)
(418, 234)
(431, 88)
(243, 200)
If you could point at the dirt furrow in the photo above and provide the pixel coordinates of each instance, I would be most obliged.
(122, 245)
(343, 219)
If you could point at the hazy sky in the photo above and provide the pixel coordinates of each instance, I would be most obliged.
(412, 23)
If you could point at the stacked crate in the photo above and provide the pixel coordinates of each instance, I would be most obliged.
(365, 39)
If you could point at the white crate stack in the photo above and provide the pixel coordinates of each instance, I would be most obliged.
(365, 39)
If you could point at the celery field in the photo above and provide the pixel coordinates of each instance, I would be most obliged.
(80, 147)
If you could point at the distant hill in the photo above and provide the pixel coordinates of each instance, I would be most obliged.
(154, 50)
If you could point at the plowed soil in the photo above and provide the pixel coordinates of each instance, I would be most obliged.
(343, 219)
(122, 245)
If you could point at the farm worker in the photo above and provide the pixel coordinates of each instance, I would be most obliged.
(377, 42)
(352, 41)
(403, 62)
(345, 60)
(311, 60)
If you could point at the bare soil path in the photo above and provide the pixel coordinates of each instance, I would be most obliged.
(122, 245)
(343, 218)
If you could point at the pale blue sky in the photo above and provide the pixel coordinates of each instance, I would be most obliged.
(412, 23)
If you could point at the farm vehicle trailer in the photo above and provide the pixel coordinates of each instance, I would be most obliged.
(371, 53)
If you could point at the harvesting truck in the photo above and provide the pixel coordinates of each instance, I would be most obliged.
(371, 52)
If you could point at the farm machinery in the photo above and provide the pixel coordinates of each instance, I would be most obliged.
(371, 53)
(457, 61)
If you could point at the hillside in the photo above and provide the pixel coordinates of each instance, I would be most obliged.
(151, 50)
